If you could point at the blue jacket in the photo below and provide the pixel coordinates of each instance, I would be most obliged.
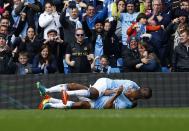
(50, 68)
(99, 16)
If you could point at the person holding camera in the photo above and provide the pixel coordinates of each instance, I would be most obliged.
(56, 46)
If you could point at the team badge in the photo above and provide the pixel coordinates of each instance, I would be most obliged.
(85, 48)
(74, 50)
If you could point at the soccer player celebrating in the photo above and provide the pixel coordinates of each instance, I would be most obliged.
(105, 87)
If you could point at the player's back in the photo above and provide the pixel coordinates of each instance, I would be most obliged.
(125, 83)
(101, 101)
(121, 102)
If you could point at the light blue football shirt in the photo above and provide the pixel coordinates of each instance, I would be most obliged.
(121, 102)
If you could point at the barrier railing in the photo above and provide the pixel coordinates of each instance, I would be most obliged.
(169, 89)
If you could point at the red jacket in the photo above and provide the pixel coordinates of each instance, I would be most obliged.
(132, 32)
(2, 10)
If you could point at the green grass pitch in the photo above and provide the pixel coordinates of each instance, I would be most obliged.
(139, 119)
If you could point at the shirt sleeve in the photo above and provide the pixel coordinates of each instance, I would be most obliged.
(68, 49)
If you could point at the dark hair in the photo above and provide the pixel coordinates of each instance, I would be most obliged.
(3, 18)
(130, 2)
(41, 59)
(72, 4)
(89, 5)
(49, 2)
(27, 38)
(99, 21)
(30, 27)
(140, 16)
(184, 1)
(180, 12)
(103, 56)
(185, 31)
(107, 21)
(3, 36)
(146, 46)
(23, 54)
(145, 92)
(117, 2)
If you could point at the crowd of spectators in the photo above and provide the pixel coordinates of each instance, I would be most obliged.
(97, 36)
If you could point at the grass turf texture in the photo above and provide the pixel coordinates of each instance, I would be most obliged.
(139, 119)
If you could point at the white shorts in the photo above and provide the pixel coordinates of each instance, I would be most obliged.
(102, 84)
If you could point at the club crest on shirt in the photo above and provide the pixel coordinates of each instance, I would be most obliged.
(85, 48)
(74, 49)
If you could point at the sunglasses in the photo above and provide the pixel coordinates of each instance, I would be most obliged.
(79, 34)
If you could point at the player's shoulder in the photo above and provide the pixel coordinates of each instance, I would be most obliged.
(104, 78)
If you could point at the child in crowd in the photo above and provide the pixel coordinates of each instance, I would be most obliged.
(23, 67)
(104, 65)
(140, 27)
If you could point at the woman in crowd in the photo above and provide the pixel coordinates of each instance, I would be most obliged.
(153, 64)
(49, 19)
(44, 62)
(30, 44)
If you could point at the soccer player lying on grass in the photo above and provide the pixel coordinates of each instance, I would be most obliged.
(118, 100)
(103, 86)
(104, 102)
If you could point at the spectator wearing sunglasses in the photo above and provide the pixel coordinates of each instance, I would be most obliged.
(79, 54)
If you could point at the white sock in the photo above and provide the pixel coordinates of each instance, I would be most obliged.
(61, 105)
(84, 93)
(57, 88)
(54, 100)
